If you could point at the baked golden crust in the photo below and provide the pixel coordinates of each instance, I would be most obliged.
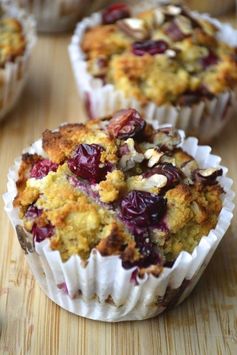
(84, 213)
(12, 40)
(60, 144)
(194, 66)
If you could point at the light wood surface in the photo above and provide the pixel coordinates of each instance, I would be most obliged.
(29, 322)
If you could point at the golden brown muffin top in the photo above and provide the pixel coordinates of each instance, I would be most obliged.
(164, 55)
(119, 186)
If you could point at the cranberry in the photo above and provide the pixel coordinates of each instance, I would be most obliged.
(33, 212)
(126, 123)
(41, 233)
(174, 175)
(210, 59)
(149, 46)
(140, 209)
(63, 287)
(86, 163)
(149, 256)
(42, 168)
(115, 12)
(174, 32)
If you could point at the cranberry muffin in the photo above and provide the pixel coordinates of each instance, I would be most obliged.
(165, 58)
(15, 48)
(118, 219)
(121, 187)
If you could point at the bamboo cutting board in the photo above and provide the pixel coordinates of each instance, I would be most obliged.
(29, 322)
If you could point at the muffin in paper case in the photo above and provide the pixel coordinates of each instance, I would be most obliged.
(59, 15)
(13, 74)
(204, 119)
(100, 288)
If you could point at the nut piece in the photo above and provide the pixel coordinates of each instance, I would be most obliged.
(172, 10)
(153, 155)
(129, 160)
(170, 53)
(189, 167)
(184, 24)
(156, 180)
(208, 172)
(134, 27)
(151, 184)
(207, 176)
(159, 17)
(167, 138)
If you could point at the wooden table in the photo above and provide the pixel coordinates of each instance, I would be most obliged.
(29, 322)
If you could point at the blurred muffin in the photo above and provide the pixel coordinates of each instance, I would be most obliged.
(17, 38)
(59, 15)
(115, 194)
(163, 57)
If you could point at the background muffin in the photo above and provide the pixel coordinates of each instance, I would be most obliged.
(173, 64)
(114, 213)
(17, 38)
(59, 15)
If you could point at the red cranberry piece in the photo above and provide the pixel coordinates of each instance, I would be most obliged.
(41, 233)
(207, 176)
(150, 256)
(126, 124)
(149, 46)
(210, 59)
(142, 209)
(33, 212)
(63, 287)
(115, 12)
(86, 163)
(174, 32)
(42, 168)
(174, 175)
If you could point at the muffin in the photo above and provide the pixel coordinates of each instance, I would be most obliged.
(59, 15)
(172, 64)
(118, 219)
(17, 38)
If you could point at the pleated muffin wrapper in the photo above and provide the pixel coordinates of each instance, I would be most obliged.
(59, 15)
(101, 288)
(14, 74)
(204, 120)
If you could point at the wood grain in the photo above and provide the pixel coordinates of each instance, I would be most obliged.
(29, 322)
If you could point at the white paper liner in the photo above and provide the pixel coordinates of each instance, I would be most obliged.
(13, 76)
(204, 120)
(58, 15)
(103, 290)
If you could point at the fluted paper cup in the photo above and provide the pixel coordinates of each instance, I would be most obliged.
(204, 120)
(14, 74)
(101, 288)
